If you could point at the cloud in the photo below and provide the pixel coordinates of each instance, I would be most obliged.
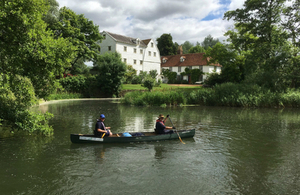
(188, 20)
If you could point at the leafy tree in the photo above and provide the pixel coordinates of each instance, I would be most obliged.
(30, 59)
(81, 32)
(129, 75)
(110, 70)
(267, 50)
(153, 73)
(195, 75)
(233, 63)
(165, 45)
(149, 82)
(171, 76)
(209, 41)
(186, 46)
(51, 18)
(197, 49)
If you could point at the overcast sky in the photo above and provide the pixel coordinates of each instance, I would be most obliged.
(185, 20)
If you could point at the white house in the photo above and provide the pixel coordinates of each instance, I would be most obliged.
(178, 63)
(143, 55)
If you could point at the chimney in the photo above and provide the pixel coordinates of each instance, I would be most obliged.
(179, 51)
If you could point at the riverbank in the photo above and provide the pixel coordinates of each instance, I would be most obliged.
(228, 94)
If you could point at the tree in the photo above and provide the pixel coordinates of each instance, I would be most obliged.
(165, 45)
(81, 32)
(209, 41)
(153, 73)
(110, 70)
(233, 63)
(267, 50)
(129, 75)
(148, 82)
(197, 49)
(30, 59)
(195, 75)
(186, 46)
(51, 18)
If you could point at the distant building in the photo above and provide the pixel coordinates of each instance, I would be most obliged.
(143, 55)
(178, 63)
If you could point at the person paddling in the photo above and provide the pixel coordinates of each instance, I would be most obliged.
(160, 127)
(100, 129)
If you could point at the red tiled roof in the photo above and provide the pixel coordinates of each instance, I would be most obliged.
(192, 59)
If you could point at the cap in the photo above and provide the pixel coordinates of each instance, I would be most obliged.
(102, 116)
(161, 116)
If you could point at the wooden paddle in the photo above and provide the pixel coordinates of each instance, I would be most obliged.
(176, 131)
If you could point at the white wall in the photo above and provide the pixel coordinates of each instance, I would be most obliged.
(151, 62)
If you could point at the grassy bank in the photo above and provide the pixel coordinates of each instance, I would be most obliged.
(235, 95)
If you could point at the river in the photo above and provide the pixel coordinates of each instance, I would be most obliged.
(234, 151)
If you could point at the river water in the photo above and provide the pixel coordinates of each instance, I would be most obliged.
(234, 151)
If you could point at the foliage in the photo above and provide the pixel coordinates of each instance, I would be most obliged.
(155, 98)
(81, 32)
(30, 60)
(16, 95)
(74, 84)
(232, 62)
(264, 42)
(195, 75)
(110, 70)
(64, 95)
(149, 82)
(129, 75)
(196, 49)
(153, 74)
(186, 46)
(209, 41)
(165, 45)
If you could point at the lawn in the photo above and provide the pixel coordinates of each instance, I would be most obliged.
(161, 87)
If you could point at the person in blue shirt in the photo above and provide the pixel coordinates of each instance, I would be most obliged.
(100, 129)
(160, 127)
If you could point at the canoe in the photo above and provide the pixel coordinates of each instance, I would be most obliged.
(146, 137)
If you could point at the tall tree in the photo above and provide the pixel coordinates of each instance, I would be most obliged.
(110, 70)
(81, 32)
(165, 45)
(209, 41)
(268, 47)
(30, 60)
(196, 49)
(186, 46)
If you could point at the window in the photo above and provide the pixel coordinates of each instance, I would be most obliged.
(181, 59)
(99, 49)
(170, 68)
(134, 61)
(125, 60)
(109, 48)
(154, 53)
(149, 53)
(141, 51)
(141, 62)
(134, 50)
(125, 48)
(151, 44)
(179, 69)
(164, 60)
(104, 36)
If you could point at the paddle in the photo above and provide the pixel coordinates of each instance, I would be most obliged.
(176, 131)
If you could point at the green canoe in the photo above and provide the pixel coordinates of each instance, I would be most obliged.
(147, 136)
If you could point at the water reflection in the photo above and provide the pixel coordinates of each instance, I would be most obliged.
(234, 151)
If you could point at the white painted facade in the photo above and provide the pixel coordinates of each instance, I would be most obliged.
(143, 55)
(205, 68)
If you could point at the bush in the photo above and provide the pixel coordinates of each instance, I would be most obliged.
(74, 84)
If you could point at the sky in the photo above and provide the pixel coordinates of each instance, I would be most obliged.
(185, 20)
